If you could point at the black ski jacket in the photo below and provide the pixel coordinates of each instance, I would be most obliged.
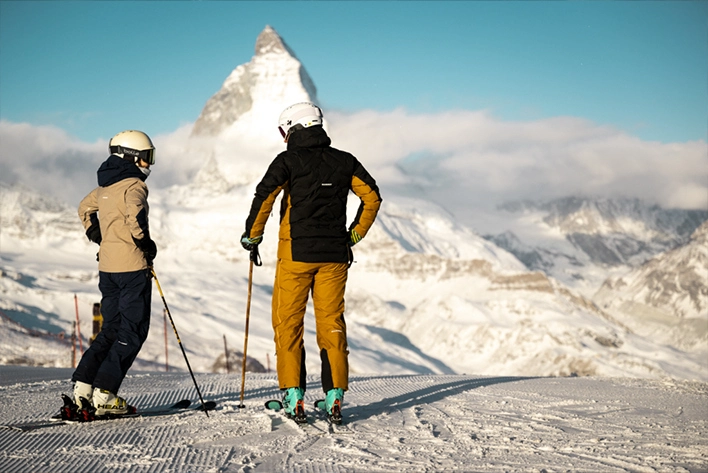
(316, 180)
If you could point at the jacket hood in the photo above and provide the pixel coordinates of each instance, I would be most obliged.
(116, 169)
(312, 137)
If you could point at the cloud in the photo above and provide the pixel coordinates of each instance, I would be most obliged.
(460, 159)
(463, 158)
(48, 160)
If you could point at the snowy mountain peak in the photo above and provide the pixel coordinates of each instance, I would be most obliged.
(270, 42)
(253, 95)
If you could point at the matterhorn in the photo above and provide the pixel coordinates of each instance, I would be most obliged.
(254, 94)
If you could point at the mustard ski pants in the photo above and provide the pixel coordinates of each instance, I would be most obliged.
(294, 281)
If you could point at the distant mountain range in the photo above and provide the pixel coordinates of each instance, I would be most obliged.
(425, 294)
(666, 297)
(610, 232)
(645, 265)
(566, 237)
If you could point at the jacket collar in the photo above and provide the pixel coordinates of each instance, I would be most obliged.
(116, 169)
(312, 137)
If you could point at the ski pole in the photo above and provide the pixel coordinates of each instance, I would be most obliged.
(254, 258)
(179, 341)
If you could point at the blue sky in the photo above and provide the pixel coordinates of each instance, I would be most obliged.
(91, 68)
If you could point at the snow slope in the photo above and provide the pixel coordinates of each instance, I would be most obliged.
(423, 423)
(424, 296)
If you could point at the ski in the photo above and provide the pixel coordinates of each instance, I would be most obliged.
(181, 406)
(313, 425)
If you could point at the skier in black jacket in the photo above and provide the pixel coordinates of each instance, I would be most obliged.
(314, 249)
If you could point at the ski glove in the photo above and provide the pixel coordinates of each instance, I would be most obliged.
(354, 238)
(94, 233)
(148, 247)
(249, 243)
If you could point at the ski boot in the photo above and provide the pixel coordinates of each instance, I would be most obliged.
(82, 390)
(333, 405)
(108, 404)
(294, 405)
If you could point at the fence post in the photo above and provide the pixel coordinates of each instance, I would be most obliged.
(226, 354)
(73, 345)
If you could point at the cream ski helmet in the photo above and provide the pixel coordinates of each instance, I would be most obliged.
(132, 144)
(305, 114)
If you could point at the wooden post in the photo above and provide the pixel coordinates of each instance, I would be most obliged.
(226, 354)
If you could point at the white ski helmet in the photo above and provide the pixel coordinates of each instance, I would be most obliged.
(133, 143)
(305, 114)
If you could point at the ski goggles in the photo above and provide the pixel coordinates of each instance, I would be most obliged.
(147, 155)
(282, 132)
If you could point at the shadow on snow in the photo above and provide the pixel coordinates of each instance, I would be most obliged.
(427, 395)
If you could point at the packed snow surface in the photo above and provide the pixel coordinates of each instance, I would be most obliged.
(409, 423)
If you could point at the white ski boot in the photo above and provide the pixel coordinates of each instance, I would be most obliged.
(82, 390)
(106, 402)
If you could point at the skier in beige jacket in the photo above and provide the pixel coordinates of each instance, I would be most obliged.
(115, 216)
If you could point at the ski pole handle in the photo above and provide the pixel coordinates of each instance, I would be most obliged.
(255, 257)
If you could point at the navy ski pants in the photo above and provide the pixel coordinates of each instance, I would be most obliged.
(125, 307)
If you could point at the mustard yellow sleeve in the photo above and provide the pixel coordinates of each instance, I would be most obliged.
(364, 186)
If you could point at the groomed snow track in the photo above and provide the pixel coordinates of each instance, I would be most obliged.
(423, 423)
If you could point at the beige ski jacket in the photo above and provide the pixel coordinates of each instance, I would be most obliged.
(120, 207)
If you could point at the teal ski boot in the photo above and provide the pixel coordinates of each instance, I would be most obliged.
(333, 405)
(294, 405)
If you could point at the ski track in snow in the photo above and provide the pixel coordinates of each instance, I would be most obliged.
(411, 423)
